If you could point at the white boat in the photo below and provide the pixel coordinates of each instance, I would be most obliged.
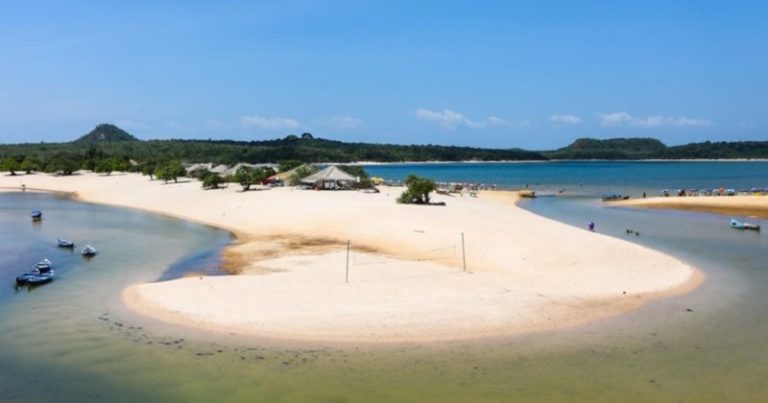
(44, 264)
(744, 225)
(88, 251)
(63, 243)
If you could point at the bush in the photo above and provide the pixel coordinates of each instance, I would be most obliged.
(212, 181)
(418, 190)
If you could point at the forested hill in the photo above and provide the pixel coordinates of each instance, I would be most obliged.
(108, 142)
(648, 148)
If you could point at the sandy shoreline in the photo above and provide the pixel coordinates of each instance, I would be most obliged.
(751, 206)
(525, 272)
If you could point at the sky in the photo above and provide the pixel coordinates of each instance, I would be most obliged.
(501, 74)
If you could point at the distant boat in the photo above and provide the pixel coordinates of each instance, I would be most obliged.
(40, 278)
(88, 251)
(614, 197)
(527, 193)
(44, 265)
(744, 225)
(39, 275)
(63, 243)
(37, 215)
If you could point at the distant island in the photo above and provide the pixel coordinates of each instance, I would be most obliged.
(107, 141)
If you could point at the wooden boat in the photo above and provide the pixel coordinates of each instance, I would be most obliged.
(44, 265)
(88, 251)
(37, 215)
(744, 225)
(63, 243)
(527, 193)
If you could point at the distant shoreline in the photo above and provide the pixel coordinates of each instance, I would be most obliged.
(374, 163)
(750, 206)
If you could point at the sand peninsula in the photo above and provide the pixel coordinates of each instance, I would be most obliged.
(750, 206)
(406, 280)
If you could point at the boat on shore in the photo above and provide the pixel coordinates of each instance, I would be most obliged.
(88, 251)
(63, 243)
(614, 197)
(743, 225)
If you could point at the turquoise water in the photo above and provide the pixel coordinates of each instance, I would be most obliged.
(590, 177)
(72, 340)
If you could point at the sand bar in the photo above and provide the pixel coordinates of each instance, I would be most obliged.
(751, 206)
(524, 272)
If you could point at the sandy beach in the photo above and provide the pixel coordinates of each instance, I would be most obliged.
(406, 274)
(750, 206)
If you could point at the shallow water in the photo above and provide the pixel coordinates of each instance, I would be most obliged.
(72, 340)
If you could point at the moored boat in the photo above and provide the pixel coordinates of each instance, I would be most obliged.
(742, 225)
(41, 278)
(43, 265)
(37, 215)
(88, 251)
(63, 243)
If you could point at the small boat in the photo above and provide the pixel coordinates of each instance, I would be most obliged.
(37, 215)
(40, 278)
(527, 193)
(38, 275)
(88, 251)
(63, 243)
(744, 225)
(44, 265)
(614, 197)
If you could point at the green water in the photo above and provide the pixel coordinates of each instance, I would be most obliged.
(72, 340)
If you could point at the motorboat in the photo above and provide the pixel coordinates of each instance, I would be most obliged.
(37, 215)
(88, 251)
(44, 265)
(742, 225)
(40, 278)
(614, 197)
(63, 243)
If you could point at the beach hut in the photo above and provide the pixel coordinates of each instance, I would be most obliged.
(331, 178)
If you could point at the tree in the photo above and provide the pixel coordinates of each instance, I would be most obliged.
(418, 190)
(63, 163)
(171, 171)
(30, 164)
(244, 176)
(148, 168)
(364, 182)
(261, 174)
(212, 181)
(105, 166)
(9, 164)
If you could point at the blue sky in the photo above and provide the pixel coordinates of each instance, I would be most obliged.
(532, 74)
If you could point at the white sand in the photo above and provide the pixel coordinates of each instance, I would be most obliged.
(728, 205)
(406, 284)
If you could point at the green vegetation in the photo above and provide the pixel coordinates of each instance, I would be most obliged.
(212, 181)
(418, 190)
(108, 148)
(171, 171)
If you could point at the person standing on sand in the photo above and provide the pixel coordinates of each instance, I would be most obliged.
(591, 226)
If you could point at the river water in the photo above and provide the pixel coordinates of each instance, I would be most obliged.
(72, 340)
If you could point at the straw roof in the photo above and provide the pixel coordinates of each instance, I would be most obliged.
(332, 173)
(284, 176)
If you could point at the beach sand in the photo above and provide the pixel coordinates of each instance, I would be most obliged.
(406, 275)
(749, 206)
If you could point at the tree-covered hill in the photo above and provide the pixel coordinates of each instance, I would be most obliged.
(105, 133)
(120, 149)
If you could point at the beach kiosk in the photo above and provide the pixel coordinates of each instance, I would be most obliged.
(330, 178)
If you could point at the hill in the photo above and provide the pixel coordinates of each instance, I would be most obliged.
(105, 133)
(611, 149)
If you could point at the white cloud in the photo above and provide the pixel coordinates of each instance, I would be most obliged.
(450, 120)
(344, 122)
(270, 123)
(565, 119)
(625, 119)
